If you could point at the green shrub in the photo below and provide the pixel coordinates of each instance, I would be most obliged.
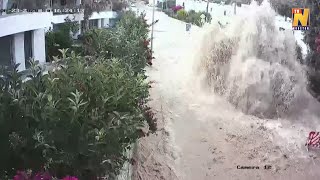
(193, 17)
(55, 41)
(182, 15)
(125, 42)
(60, 39)
(78, 119)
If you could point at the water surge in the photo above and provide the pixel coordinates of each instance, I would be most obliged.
(254, 65)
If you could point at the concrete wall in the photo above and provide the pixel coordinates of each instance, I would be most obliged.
(79, 17)
(105, 23)
(17, 23)
(39, 45)
(31, 21)
(18, 50)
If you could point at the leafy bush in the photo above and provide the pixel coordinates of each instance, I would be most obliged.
(60, 39)
(78, 119)
(182, 15)
(195, 17)
(126, 42)
(57, 40)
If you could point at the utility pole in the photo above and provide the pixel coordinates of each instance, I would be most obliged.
(207, 10)
(235, 7)
(153, 9)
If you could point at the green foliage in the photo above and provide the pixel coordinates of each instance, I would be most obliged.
(125, 42)
(284, 8)
(78, 119)
(312, 34)
(312, 59)
(193, 17)
(60, 39)
(182, 15)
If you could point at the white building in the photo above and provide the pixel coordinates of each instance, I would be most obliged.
(22, 35)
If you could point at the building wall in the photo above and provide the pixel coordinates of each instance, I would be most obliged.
(39, 45)
(18, 50)
(16, 23)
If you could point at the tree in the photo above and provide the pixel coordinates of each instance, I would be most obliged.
(312, 39)
(284, 7)
(312, 34)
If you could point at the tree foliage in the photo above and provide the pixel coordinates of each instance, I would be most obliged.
(126, 41)
(191, 16)
(60, 39)
(311, 38)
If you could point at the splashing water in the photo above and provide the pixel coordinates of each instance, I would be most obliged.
(254, 65)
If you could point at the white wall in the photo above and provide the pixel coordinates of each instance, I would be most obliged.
(99, 23)
(106, 22)
(38, 45)
(106, 14)
(16, 23)
(4, 4)
(18, 51)
(56, 19)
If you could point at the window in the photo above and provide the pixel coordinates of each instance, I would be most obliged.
(93, 23)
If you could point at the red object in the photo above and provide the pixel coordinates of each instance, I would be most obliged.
(146, 43)
(70, 178)
(177, 8)
(313, 140)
